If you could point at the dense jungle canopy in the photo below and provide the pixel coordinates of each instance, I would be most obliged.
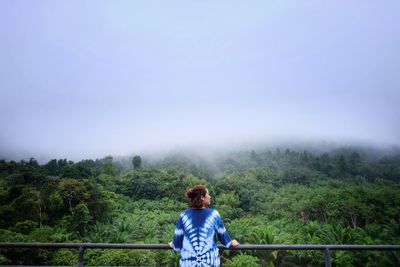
(278, 196)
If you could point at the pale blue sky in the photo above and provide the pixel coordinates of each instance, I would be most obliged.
(84, 79)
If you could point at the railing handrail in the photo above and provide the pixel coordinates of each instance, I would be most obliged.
(166, 246)
(82, 246)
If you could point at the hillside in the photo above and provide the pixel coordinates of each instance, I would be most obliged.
(280, 196)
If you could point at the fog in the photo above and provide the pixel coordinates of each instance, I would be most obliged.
(90, 79)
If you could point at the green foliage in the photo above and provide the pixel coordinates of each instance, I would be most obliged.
(80, 218)
(243, 260)
(265, 197)
(109, 169)
(72, 192)
(113, 257)
(263, 235)
(228, 206)
(27, 206)
(24, 227)
(137, 162)
(64, 257)
(4, 260)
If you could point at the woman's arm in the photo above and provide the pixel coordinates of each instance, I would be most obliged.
(176, 243)
(223, 235)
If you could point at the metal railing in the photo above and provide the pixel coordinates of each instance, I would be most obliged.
(82, 246)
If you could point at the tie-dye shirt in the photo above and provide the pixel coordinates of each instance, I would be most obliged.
(195, 237)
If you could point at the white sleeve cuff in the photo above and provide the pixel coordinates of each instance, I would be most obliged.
(175, 249)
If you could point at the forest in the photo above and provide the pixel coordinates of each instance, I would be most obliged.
(265, 196)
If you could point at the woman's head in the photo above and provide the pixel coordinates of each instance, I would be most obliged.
(198, 196)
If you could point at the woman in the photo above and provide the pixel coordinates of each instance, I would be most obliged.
(195, 230)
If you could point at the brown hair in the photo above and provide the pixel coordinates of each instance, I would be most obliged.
(194, 195)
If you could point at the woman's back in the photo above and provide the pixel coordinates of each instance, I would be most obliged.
(195, 237)
(195, 231)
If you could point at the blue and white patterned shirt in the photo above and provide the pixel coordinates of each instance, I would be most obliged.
(195, 237)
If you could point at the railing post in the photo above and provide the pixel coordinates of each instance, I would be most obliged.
(328, 261)
(80, 257)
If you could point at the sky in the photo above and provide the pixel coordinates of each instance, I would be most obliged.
(86, 79)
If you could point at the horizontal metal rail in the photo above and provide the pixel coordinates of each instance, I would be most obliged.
(82, 246)
(166, 246)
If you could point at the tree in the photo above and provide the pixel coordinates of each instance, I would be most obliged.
(80, 218)
(227, 204)
(301, 175)
(27, 206)
(72, 192)
(114, 257)
(52, 168)
(255, 158)
(342, 166)
(354, 163)
(137, 162)
(243, 260)
(263, 235)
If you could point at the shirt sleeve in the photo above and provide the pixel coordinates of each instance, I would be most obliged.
(178, 235)
(222, 234)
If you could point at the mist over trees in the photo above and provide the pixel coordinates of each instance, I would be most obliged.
(266, 196)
